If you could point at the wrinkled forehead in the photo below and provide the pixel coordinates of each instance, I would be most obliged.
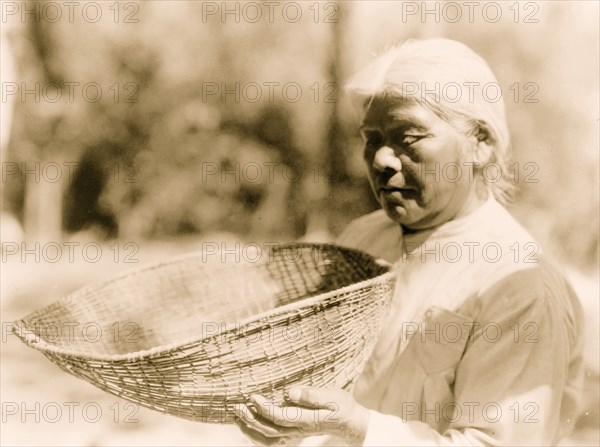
(383, 110)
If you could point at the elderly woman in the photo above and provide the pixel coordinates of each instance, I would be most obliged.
(483, 343)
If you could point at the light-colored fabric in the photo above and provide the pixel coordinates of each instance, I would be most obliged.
(483, 342)
(374, 233)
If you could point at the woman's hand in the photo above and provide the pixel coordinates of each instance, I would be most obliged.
(307, 412)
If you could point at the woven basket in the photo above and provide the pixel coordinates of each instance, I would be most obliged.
(192, 339)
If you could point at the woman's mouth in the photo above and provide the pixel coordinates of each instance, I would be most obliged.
(398, 194)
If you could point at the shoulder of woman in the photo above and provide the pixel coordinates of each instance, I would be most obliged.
(371, 223)
(541, 295)
(374, 233)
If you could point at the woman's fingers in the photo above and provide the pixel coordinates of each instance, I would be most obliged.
(282, 416)
(317, 398)
(313, 411)
(260, 439)
(265, 426)
(301, 419)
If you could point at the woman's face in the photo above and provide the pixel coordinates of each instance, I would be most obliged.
(420, 166)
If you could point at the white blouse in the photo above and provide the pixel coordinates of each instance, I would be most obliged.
(483, 344)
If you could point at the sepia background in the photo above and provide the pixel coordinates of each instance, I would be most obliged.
(155, 128)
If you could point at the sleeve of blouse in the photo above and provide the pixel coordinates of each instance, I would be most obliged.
(518, 382)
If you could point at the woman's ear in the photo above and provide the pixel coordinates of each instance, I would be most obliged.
(484, 148)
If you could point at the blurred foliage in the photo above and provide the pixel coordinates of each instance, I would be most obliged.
(145, 168)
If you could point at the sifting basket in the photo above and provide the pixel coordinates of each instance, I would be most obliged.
(192, 338)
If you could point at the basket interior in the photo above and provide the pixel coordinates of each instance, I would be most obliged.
(186, 297)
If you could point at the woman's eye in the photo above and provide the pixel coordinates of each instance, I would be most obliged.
(373, 140)
(410, 139)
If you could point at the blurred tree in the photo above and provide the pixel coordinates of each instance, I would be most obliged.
(43, 199)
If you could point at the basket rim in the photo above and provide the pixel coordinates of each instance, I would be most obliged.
(31, 339)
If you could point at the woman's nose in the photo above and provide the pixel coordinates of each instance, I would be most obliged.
(385, 158)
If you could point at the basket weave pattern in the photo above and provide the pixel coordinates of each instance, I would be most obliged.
(192, 339)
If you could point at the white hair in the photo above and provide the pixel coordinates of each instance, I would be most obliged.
(453, 81)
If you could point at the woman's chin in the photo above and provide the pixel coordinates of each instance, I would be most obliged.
(397, 212)
(407, 214)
